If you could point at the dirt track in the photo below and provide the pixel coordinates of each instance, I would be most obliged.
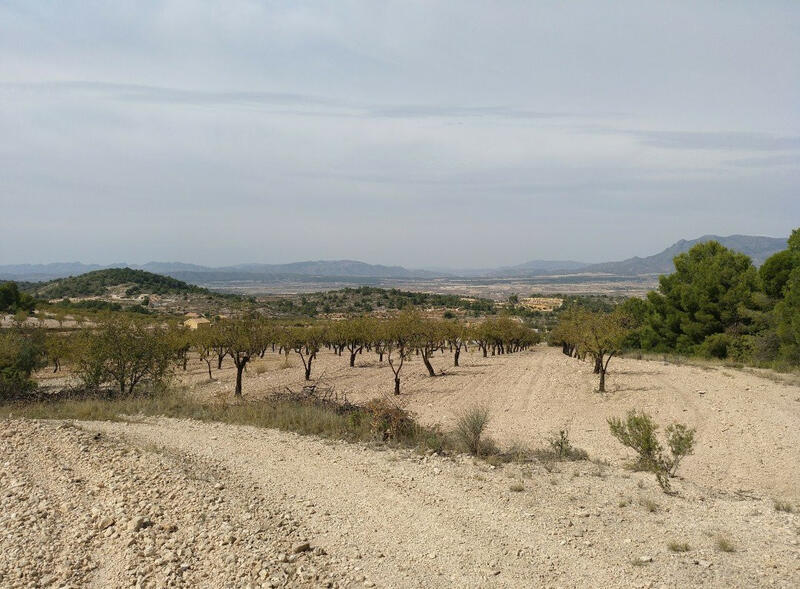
(224, 503)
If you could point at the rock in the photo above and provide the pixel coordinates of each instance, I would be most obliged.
(106, 522)
(645, 559)
(139, 523)
(302, 547)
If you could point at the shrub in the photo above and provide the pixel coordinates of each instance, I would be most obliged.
(680, 440)
(678, 546)
(470, 428)
(724, 544)
(516, 488)
(20, 354)
(638, 432)
(388, 420)
(563, 449)
(784, 506)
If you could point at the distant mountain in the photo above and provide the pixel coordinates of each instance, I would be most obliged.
(40, 272)
(757, 247)
(196, 274)
(355, 272)
(97, 283)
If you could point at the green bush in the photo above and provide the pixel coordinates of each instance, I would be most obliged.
(638, 432)
(21, 353)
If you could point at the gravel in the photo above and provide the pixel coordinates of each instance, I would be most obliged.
(172, 503)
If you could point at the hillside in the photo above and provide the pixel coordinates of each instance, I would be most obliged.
(757, 247)
(98, 283)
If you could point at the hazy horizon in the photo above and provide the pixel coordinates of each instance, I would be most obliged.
(418, 134)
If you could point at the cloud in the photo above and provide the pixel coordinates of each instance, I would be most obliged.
(719, 140)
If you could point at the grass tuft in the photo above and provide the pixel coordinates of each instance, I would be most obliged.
(724, 544)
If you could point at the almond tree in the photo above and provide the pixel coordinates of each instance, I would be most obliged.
(602, 336)
(242, 340)
(306, 342)
(430, 335)
(400, 342)
(457, 335)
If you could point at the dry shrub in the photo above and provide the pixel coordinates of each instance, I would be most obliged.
(470, 428)
(388, 420)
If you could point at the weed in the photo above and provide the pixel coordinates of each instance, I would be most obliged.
(676, 546)
(517, 488)
(724, 544)
(470, 428)
(650, 505)
(784, 506)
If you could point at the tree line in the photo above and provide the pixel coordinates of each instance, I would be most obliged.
(123, 353)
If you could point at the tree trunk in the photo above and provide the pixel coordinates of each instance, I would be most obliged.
(239, 369)
(308, 368)
(396, 385)
(598, 364)
(220, 358)
(455, 357)
(602, 380)
(428, 364)
(380, 356)
(352, 358)
(208, 363)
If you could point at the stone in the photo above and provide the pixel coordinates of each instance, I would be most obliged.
(302, 547)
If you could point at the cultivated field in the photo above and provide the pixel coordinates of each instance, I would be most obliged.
(227, 505)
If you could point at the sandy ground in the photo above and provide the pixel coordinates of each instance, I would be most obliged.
(176, 503)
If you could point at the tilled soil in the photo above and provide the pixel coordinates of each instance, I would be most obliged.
(179, 503)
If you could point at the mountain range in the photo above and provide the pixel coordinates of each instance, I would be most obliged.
(757, 247)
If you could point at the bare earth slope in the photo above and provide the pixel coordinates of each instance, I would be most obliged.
(167, 502)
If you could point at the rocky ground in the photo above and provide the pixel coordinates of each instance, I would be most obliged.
(160, 503)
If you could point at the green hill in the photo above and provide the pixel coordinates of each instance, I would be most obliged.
(98, 282)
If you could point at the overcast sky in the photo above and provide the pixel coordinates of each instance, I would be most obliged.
(423, 133)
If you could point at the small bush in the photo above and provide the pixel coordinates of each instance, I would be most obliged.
(388, 420)
(650, 505)
(261, 368)
(638, 432)
(563, 449)
(784, 506)
(470, 428)
(725, 545)
(676, 546)
(517, 488)
(680, 440)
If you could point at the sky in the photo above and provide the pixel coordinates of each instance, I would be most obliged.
(420, 133)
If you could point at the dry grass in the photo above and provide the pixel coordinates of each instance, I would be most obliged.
(650, 505)
(676, 546)
(353, 423)
(784, 506)
(724, 544)
(517, 488)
